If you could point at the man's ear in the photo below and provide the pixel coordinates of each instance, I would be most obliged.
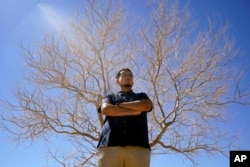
(117, 81)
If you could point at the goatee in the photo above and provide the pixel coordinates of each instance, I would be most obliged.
(127, 85)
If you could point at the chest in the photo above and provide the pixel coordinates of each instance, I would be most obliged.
(126, 97)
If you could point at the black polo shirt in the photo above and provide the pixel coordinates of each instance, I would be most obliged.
(124, 130)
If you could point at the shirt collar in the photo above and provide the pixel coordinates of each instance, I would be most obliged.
(126, 93)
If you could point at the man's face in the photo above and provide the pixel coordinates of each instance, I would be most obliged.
(125, 79)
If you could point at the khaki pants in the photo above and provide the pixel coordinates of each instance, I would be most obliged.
(129, 156)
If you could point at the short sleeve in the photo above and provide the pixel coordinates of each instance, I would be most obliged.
(144, 96)
(107, 99)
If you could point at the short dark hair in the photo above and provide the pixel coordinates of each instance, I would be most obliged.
(119, 72)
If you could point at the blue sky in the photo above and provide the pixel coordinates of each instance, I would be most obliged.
(28, 21)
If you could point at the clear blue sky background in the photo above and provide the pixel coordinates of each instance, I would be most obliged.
(28, 21)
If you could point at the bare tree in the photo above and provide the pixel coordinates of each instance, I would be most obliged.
(190, 77)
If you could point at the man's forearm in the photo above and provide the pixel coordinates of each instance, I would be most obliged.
(113, 110)
(138, 105)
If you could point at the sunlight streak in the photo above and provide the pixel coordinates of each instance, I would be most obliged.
(54, 17)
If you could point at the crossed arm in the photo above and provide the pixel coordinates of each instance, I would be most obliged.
(126, 108)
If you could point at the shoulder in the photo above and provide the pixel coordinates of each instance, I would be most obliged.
(108, 97)
(110, 94)
(142, 95)
(111, 97)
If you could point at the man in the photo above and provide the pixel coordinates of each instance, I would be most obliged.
(124, 139)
